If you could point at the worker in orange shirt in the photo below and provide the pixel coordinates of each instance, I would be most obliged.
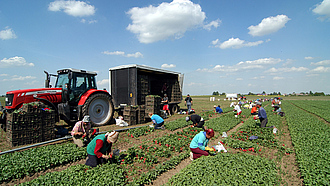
(254, 110)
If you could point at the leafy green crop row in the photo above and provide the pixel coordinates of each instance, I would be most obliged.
(18, 164)
(107, 174)
(228, 169)
(147, 154)
(320, 108)
(311, 140)
(137, 132)
(225, 122)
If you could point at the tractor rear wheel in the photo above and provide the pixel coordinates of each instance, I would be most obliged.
(100, 109)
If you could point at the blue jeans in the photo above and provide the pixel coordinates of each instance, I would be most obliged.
(93, 160)
(189, 106)
(159, 125)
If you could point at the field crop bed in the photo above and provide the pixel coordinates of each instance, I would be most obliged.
(317, 107)
(311, 139)
(268, 160)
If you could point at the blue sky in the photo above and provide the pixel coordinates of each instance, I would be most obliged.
(219, 45)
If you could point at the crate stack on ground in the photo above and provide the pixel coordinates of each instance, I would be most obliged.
(130, 114)
(143, 87)
(141, 112)
(153, 103)
(175, 93)
(33, 123)
(48, 125)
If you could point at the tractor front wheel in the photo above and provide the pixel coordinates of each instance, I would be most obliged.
(100, 109)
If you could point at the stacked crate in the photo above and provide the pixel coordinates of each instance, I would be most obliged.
(143, 88)
(30, 124)
(153, 103)
(48, 125)
(176, 93)
(130, 114)
(141, 113)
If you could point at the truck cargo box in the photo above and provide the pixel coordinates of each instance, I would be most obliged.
(130, 84)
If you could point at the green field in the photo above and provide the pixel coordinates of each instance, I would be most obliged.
(295, 155)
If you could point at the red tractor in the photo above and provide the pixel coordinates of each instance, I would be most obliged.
(75, 95)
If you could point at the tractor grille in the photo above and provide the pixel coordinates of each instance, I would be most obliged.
(9, 99)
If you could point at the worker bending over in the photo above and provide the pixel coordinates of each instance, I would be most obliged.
(197, 121)
(198, 145)
(80, 132)
(158, 122)
(98, 150)
(218, 110)
(254, 110)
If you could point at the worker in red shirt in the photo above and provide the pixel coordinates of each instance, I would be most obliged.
(98, 150)
(254, 110)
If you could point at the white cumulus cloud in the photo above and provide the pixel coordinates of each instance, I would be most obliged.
(324, 62)
(72, 7)
(89, 22)
(14, 61)
(269, 25)
(323, 9)
(235, 43)
(121, 53)
(104, 82)
(168, 65)
(20, 78)
(168, 20)
(8, 33)
(242, 66)
(320, 69)
(309, 58)
(292, 69)
(214, 24)
(277, 78)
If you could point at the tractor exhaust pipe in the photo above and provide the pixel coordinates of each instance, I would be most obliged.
(47, 80)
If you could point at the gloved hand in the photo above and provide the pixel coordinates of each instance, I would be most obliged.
(209, 149)
(94, 132)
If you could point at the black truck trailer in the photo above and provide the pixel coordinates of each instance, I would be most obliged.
(130, 84)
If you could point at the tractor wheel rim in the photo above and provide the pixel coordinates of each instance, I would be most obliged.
(99, 110)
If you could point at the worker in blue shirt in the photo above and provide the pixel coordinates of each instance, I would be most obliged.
(218, 110)
(157, 121)
(262, 116)
(198, 145)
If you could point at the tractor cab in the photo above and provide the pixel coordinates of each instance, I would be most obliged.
(75, 83)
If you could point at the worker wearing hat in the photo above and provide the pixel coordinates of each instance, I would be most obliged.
(80, 132)
(198, 145)
(262, 116)
(197, 120)
(98, 150)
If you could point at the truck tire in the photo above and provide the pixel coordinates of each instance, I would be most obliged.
(174, 109)
(100, 108)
